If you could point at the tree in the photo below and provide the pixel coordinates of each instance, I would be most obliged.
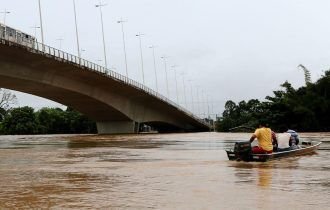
(78, 123)
(304, 109)
(6, 100)
(51, 121)
(307, 74)
(20, 121)
(57, 121)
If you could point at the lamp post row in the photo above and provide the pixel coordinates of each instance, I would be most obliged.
(139, 35)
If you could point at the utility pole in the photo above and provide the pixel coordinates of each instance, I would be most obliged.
(192, 96)
(60, 40)
(153, 53)
(184, 90)
(4, 20)
(104, 48)
(176, 84)
(208, 107)
(140, 35)
(168, 92)
(41, 27)
(203, 104)
(81, 52)
(198, 101)
(121, 21)
(75, 20)
(35, 27)
(5, 12)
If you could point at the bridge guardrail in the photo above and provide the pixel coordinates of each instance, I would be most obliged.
(40, 48)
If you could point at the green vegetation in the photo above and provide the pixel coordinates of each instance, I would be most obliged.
(304, 109)
(24, 120)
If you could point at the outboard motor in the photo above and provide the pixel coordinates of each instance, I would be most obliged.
(243, 150)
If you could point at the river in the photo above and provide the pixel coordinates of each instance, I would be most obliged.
(156, 171)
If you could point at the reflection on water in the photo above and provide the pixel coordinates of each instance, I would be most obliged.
(264, 177)
(245, 173)
(160, 171)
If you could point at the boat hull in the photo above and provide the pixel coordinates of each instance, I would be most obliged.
(305, 148)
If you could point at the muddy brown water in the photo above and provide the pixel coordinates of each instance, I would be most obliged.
(158, 171)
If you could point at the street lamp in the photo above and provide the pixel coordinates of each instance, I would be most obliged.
(98, 60)
(113, 68)
(42, 30)
(198, 108)
(192, 96)
(81, 51)
(203, 103)
(164, 59)
(35, 27)
(184, 89)
(104, 51)
(153, 53)
(176, 83)
(60, 41)
(121, 21)
(208, 107)
(140, 35)
(75, 20)
(5, 12)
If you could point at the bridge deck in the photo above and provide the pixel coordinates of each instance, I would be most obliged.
(62, 65)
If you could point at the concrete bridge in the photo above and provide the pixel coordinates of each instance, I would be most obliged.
(118, 104)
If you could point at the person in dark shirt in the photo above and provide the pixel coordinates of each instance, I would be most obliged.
(274, 141)
(294, 139)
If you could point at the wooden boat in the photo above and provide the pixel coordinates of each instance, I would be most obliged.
(242, 152)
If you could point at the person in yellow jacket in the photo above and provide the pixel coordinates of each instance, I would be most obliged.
(265, 140)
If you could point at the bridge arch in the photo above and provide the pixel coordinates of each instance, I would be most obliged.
(116, 106)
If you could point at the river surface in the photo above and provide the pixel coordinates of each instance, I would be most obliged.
(156, 171)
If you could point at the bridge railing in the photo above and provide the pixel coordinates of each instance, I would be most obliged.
(57, 54)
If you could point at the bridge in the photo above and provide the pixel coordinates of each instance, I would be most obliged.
(116, 103)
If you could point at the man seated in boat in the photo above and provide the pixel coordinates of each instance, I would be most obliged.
(283, 141)
(264, 137)
(288, 140)
(274, 141)
(294, 139)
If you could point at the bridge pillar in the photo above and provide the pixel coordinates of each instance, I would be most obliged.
(117, 127)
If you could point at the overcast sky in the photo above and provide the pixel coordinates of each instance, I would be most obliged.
(237, 49)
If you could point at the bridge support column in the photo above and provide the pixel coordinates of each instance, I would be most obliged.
(117, 127)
